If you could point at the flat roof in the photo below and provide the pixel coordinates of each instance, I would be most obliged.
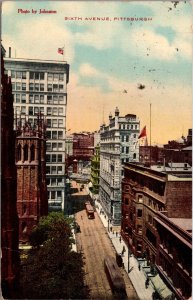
(185, 224)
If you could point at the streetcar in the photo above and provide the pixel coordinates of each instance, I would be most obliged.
(115, 278)
(89, 210)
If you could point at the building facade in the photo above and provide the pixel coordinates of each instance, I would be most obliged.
(32, 198)
(95, 170)
(174, 253)
(118, 145)
(40, 86)
(145, 194)
(9, 219)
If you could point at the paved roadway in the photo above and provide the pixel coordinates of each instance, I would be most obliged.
(94, 242)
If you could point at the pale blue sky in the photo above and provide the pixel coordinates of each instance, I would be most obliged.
(108, 57)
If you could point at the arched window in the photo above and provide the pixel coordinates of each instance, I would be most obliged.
(32, 152)
(18, 152)
(25, 150)
(134, 155)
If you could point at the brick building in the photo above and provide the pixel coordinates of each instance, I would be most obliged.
(32, 199)
(146, 193)
(9, 217)
(174, 253)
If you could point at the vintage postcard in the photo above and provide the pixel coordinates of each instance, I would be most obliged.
(102, 114)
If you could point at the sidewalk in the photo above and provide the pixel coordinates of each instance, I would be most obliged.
(136, 276)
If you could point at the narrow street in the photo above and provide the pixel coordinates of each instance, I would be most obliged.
(94, 242)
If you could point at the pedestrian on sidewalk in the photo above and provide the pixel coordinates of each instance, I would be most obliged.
(120, 239)
(139, 267)
(111, 228)
(116, 233)
(147, 283)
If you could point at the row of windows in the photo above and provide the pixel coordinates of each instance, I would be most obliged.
(54, 146)
(55, 77)
(37, 75)
(54, 135)
(38, 99)
(37, 87)
(54, 123)
(125, 138)
(55, 181)
(24, 154)
(55, 195)
(53, 158)
(54, 170)
(51, 111)
(128, 126)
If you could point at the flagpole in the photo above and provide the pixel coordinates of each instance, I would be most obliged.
(150, 135)
(63, 51)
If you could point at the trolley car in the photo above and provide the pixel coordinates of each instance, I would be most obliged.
(89, 210)
(115, 278)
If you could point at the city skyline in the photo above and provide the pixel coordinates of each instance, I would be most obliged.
(113, 62)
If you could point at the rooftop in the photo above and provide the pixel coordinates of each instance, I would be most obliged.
(185, 224)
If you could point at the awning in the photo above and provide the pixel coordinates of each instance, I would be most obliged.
(161, 288)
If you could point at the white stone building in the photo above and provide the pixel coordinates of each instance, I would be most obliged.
(41, 86)
(118, 144)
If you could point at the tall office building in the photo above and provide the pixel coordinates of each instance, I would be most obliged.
(40, 86)
(118, 144)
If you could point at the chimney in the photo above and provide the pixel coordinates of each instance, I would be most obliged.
(9, 52)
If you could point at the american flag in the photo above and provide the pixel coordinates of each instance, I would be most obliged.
(61, 51)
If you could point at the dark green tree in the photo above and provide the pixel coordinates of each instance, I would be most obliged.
(52, 270)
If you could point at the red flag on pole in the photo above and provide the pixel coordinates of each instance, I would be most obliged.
(143, 133)
(61, 51)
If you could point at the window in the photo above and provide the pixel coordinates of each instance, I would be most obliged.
(49, 87)
(36, 110)
(32, 152)
(18, 86)
(55, 99)
(25, 151)
(54, 135)
(139, 213)
(19, 152)
(134, 155)
(59, 195)
(48, 133)
(61, 88)
(49, 99)
(42, 99)
(60, 123)
(48, 158)
(127, 138)
(134, 136)
(54, 146)
(53, 194)
(17, 98)
(31, 86)
(54, 111)
(61, 77)
(61, 99)
(54, 123)
(50, 77)
(37, 87)
(13, 74)
(59, 170)
(56, 77)
(139, 229)
(49, 111)
(53, 169)
(60, 146)
(122, 150)
(41, 76)
(127, 150)
(49, 122)
(48, 146)
(18, 75)
(60, 134)
(23, 87)
(31, 99)
(36, 99)
(59, 157)
(23, 75)
(55, 88)
(53, 181)
(53, 157)
(41, 87)
(23, 110)
(31, 111)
